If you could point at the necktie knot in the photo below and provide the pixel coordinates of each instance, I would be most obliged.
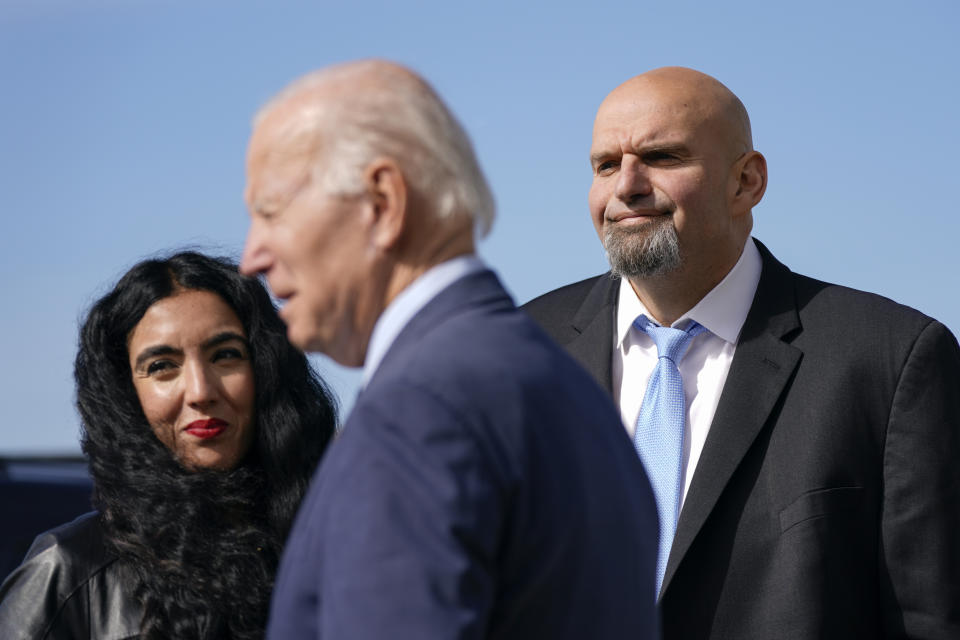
(671, 343)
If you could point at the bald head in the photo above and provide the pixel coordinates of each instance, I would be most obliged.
(675, 178)
(689, 97)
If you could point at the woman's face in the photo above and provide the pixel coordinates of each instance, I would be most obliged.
(192, 372)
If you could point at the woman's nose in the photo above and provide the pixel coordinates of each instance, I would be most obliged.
(200, 386)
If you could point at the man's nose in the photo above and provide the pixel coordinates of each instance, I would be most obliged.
(632, 180)
(200, 385)
(255, 258)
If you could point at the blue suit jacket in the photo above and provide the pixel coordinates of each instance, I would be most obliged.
(483, 487)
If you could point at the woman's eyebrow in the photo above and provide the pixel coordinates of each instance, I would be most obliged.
(224, 336)
(158, 350)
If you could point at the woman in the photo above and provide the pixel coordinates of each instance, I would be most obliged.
(202, 426)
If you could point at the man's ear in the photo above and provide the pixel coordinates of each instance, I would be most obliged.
(387, 193)
(750, 175)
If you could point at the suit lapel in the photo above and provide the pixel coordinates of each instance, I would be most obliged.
(762, 367)
(594, 324)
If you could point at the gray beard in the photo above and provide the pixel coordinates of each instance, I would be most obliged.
(642, 253)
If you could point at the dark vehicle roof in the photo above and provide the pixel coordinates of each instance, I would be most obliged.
(36, 494)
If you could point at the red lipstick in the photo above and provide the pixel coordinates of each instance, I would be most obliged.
(204, 429)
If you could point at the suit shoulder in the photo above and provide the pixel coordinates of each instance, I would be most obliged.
(496, 382)
(563, 297)
(871, 333)
(554, 310)
(834, 302)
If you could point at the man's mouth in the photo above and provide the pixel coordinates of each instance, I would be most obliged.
(635, 217)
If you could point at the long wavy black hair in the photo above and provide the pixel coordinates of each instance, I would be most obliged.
(201, 545)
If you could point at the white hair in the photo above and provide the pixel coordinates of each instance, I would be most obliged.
(376, 109)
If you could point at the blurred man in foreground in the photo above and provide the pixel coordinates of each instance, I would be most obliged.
(814, 431)
(482, 486)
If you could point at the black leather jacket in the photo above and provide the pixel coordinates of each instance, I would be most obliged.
(69, 587)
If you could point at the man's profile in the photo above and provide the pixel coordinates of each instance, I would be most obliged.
(482, 486)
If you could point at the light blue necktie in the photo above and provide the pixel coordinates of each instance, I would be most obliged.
(659, 434)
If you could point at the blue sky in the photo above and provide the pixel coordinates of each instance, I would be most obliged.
(123, 125)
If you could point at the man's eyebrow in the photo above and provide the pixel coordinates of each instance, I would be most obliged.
(666, 147)
(152, 352)
(224, 336)
(669, 148)
(677, 148)
(265, 207)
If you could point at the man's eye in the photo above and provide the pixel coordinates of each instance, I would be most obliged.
(661, 158)
(606, 167)
(264, 213)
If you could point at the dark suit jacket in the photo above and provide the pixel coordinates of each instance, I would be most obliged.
(826, 502)
(483, 487)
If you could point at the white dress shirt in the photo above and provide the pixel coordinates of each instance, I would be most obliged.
(408, 302)
(705, 366)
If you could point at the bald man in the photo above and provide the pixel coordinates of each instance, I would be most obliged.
(482, 486)
(808, 468)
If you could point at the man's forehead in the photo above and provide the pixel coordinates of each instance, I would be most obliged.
(273, 152)
(277, 168)
(640, 128)
(641, 118)
(670, 105)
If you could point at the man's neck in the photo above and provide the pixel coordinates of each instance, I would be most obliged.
(408, 268)
(667, 297)
(409, 301)
(397, 272)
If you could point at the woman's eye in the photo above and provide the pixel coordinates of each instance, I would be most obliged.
(229, 353)
(158, 365)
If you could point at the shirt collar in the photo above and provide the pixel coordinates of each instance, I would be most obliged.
(408, 302)
(722, 311)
